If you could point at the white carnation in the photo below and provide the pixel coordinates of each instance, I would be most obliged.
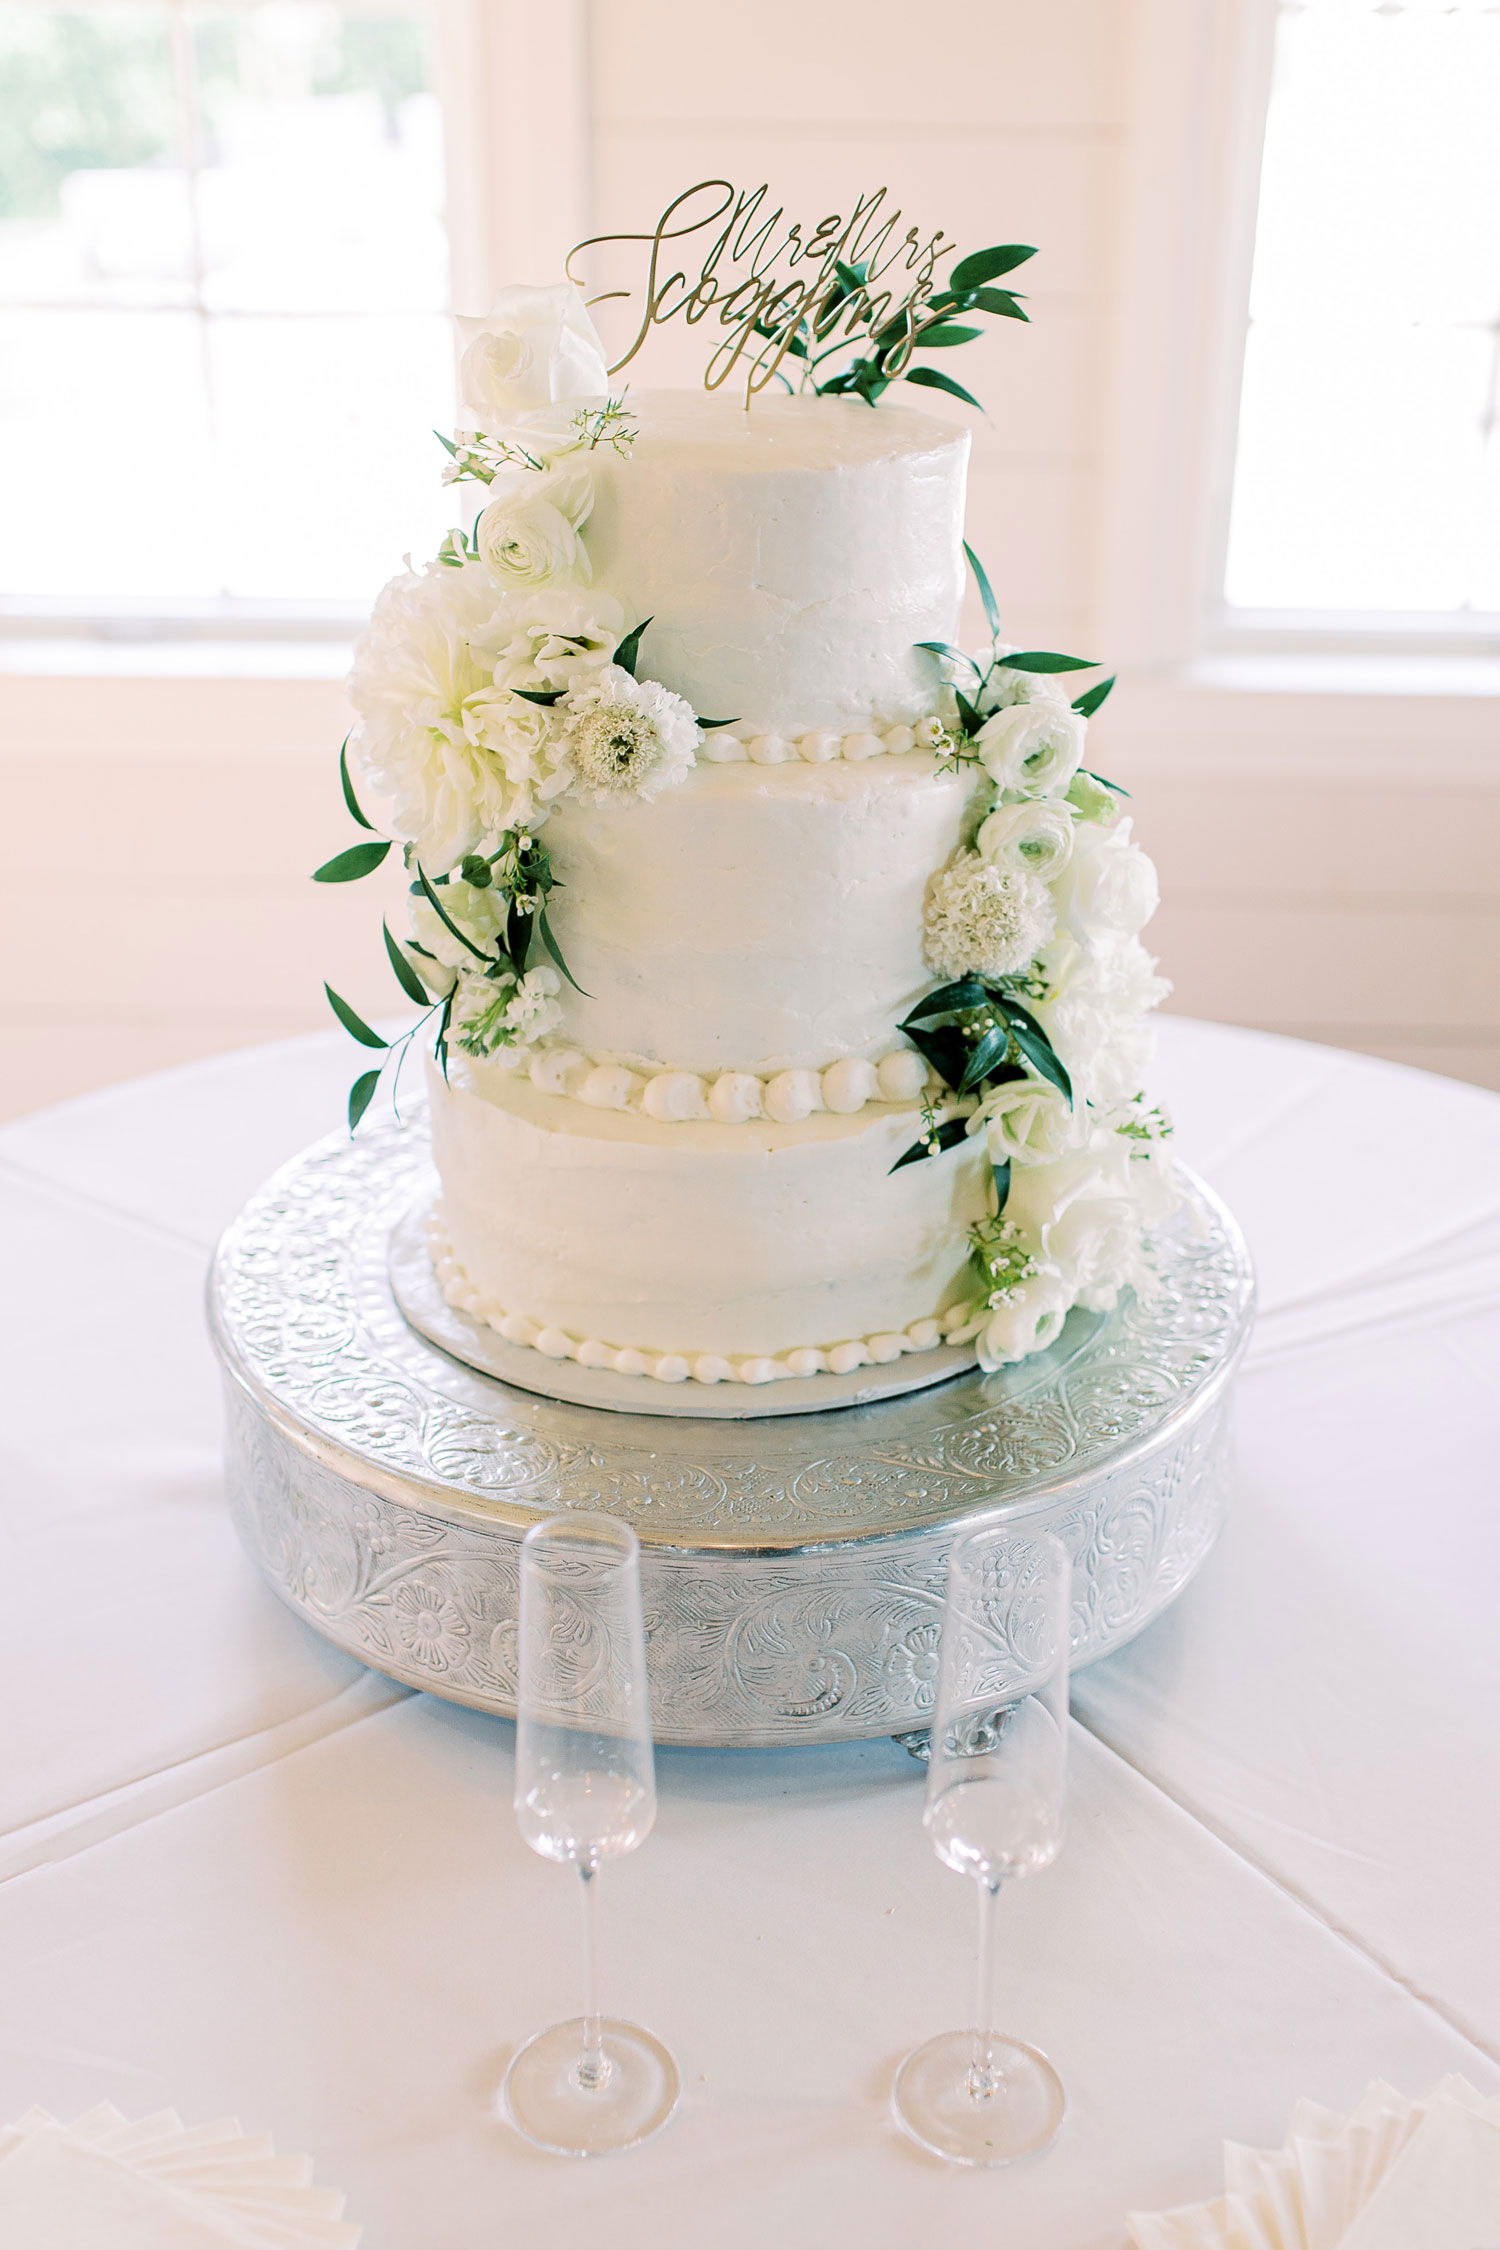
(1036, 834)
(984, 920)
(421, 681)
(528, 532)
(1109, 887)
(536, 345)
(623, 738)
(1032, 749)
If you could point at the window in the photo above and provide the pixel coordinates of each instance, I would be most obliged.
(223, 313)
(1366, 485)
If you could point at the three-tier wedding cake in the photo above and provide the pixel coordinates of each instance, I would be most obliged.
(783, 959)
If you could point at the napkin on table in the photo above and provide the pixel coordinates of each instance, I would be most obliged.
(1389, 2175)
(106, 2183)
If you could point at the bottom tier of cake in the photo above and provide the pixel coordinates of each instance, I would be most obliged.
(716, 1249)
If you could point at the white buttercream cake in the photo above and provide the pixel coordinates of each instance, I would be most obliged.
(670, 1113)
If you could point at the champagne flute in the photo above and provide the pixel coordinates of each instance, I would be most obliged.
(994, 1811)
(585, 1792)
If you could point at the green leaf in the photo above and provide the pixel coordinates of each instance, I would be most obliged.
(955, 655)
(709, 724)
(1002, 1187)
(944, 332)
(949, 1000)
(948, 1136)
(406, 976)
(555, 950)
(444, 917)
(972, 716)
(353, 1023)
(628, 652)
(1118, 787)
(440, 1043)
(349, 797)
(545, 696)
(1035, 1045)
(932, 379)
(988, 265)
(986, 591)
(991, 1051)
(361, 1094)
(1045, 660)
(1000, 301)
(447, 444)
(1086, 705)
(347, 867)
(944, 1047)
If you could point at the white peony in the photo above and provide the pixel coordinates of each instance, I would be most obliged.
(984, 920)
(1109, 887)
(1025, 1121)
(1036, 834)
(1031, 1320)
(421, 686)
(478, 913)
(1032, 749)
(536, 345)
(527, 533)
(623, 738)
(557, 637)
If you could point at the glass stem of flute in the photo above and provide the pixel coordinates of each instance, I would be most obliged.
(982, 2075)
(593, 2065)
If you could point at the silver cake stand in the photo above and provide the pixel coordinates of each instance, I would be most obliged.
(793, 1565)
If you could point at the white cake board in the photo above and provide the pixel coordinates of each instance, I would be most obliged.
(419, 1294)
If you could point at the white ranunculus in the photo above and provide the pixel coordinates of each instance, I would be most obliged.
(536, 345)
(1032, 749)
(1031, 1320)
(984, 920)
(558, 636)
(421, 669)
(1108, 888)
(1036, 834)
(1007, 687)
(623, 738)
(527, 533)
(478, 913)
(1025, 1121)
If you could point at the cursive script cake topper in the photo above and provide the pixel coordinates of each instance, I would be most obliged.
(787, 291)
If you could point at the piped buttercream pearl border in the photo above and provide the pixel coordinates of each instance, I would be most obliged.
(723, 746)
(677, 1367)
(733, 1097)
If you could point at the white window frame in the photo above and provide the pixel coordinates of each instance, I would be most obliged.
(518, 195)
(1197, 109)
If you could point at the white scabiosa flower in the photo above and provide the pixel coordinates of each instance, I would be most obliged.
(984, 920)
(1032, 749)
(422, 669)
(625, 738)
(528, 532)
(1036, 834)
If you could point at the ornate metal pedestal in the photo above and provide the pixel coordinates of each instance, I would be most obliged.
(793, 1566)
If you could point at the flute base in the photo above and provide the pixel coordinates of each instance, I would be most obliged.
(935, 2101)
(545, 2098)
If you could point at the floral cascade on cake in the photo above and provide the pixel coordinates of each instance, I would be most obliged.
(780, 959)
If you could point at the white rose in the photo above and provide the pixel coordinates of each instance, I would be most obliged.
(528, 531)
(1084, 1212)
(1025, 1121)
(1036, 834)
(1029, 1322)
(1032, 749)
(1109, 886)
(537, 345)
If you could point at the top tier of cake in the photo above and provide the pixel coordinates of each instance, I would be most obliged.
(791, 556)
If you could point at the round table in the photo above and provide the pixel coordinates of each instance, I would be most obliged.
(240, 1874)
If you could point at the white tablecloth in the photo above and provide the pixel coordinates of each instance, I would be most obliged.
(239, 1874)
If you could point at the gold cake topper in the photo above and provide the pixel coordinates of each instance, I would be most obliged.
(784, 290)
